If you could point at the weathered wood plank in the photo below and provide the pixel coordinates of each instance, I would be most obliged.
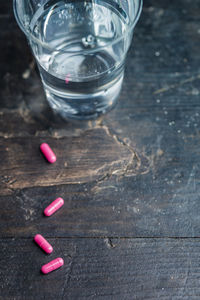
(164, 205)
(138, 170)
(80, 159)
(102, 269)
(139, 181)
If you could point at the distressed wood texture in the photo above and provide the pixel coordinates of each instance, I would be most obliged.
(103, 269)
(130, 225)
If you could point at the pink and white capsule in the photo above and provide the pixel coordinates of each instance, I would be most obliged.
(42, 242)
(48, 153)
(52, 265)
(53, 207)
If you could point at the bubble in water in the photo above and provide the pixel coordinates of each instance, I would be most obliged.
(89, 41)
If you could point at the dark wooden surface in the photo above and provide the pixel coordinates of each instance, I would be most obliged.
(130, 226)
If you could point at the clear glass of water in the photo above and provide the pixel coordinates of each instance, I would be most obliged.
(80, 47)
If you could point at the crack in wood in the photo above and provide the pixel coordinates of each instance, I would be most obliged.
(67, 278)
(173, 86)
(128, 169)
(109, 243)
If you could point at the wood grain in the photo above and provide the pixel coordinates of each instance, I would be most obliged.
(130, 225)
(102, 269)
(83, 159)
(137, 206)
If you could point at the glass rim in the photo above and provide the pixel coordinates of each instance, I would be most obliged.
(87, 51)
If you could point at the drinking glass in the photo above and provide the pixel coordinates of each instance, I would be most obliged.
(80, 48)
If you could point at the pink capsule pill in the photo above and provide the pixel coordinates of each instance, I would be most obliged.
(53, 207)
(52, 265)
(67, 79)
(48, 153)
(42, 242)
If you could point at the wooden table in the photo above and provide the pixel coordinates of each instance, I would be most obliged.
(130, 225)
